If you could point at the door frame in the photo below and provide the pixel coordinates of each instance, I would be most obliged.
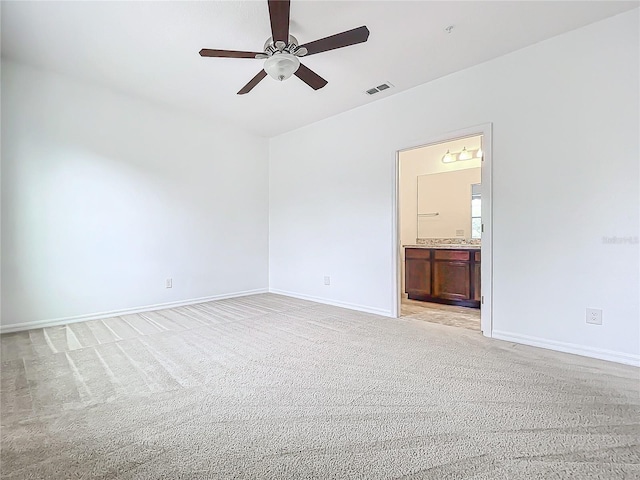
(486, 248)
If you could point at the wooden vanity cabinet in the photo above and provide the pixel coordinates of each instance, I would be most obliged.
(418, 270)
(476, 278)
(443, 276)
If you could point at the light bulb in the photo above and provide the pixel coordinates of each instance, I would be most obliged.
(281, 65)
(464, 154)
(479, 153)
(448, 158)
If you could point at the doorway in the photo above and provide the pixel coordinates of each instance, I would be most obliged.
(438, 229)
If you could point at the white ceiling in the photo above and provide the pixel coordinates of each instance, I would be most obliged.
(150, 49)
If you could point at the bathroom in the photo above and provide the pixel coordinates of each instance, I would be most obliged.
(440, 222)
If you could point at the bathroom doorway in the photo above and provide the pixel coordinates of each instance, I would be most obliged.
(443, 221)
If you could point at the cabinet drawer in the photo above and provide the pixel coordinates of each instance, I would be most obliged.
(420, 253)
(452, 255)
(477, 258)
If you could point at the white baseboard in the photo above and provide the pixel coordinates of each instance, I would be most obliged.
(17, 327)
(350, 306)
(602, 354)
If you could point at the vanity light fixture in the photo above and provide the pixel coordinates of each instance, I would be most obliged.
(463, 155)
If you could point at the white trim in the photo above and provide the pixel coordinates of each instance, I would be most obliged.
(350, 306)
(486, 130)
(17, 327)
(599, 353)
(486, 248)
(396, 252)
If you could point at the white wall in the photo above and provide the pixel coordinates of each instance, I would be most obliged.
(104, 196)
(565, 162)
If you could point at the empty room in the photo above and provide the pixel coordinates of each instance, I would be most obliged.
(320, 239)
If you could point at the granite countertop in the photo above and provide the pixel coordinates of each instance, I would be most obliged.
(447, 246)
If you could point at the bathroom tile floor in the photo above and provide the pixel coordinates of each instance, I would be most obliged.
(451, 315)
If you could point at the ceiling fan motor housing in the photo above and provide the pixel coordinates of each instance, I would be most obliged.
(272, 48)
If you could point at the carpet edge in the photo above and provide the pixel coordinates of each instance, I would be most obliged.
(18, 327)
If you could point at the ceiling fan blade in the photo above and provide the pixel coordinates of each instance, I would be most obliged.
(253, 82)
(339, 40)
(310, 77)
(279, 13)
(208, 52)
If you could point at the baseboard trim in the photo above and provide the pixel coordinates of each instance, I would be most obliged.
(599, 353)
(17, 327)
(350, 306)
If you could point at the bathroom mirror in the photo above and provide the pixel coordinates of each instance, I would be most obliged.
(449, 204)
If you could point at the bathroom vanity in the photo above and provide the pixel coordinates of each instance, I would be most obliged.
(447, 274)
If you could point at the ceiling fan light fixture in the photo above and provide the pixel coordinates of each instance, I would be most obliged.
(281, 65)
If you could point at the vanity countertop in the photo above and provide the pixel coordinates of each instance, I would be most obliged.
(447, 246)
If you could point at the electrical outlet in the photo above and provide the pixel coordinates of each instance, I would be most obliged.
(327, 280)
(594, 316)
(168, 283)
(459, 233)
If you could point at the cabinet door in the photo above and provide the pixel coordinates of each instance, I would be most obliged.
(476, 282)
(451, 280)
(418, 276)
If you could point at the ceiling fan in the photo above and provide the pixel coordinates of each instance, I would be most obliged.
(282, 51)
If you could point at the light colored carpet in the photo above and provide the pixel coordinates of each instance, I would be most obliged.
(277, 388)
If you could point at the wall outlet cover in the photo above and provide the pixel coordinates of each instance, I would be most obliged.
(327, 280)
(594, 316)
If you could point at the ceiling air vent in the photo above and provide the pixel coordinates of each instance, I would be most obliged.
(379, 88)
